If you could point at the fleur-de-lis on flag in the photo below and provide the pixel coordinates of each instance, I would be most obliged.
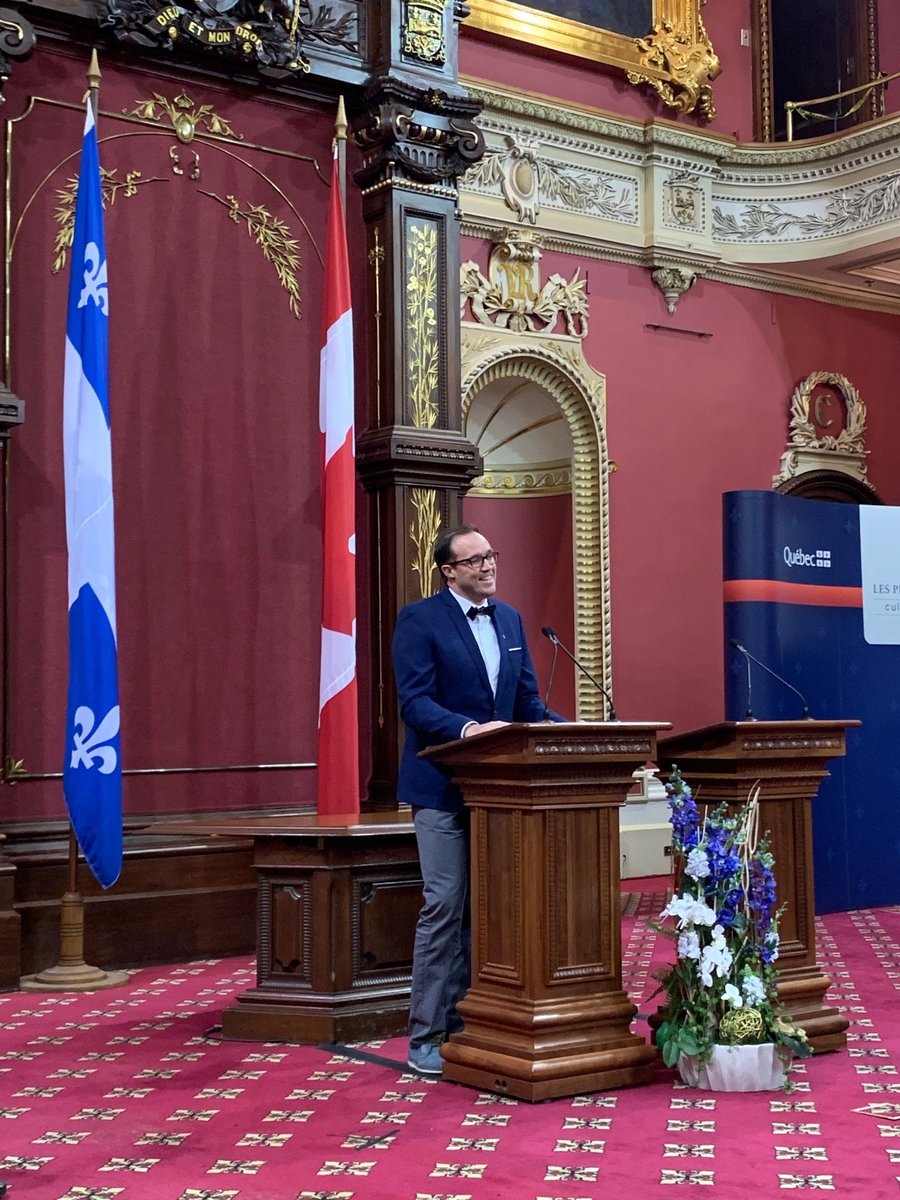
(95, 287)
(89, 742)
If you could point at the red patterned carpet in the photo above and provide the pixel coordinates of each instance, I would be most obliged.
(129, 1094)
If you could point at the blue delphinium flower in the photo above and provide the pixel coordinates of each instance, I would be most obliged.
(761, 894)
(730, 906)
(683, 813)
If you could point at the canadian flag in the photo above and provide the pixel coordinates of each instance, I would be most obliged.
(338, 752)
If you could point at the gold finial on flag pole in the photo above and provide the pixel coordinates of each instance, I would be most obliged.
(93, 78)
(340, 143)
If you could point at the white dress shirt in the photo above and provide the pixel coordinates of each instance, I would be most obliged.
(485, 635)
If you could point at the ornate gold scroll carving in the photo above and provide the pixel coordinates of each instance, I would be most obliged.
(688, 61)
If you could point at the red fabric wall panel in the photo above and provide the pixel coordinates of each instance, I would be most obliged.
(689, 418)
(534, 536)
(214, 400)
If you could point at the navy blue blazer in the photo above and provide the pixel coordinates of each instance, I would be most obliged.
(442, 685)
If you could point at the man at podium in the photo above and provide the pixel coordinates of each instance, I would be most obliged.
(462, 666)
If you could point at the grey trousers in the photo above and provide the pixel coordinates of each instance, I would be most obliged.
(442, 950)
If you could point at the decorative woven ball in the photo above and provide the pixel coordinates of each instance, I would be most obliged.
(742, 1025)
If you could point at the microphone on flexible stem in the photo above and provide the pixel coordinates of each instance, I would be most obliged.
(550, 681)
(748, 715)
(557, 644)
(751, 658)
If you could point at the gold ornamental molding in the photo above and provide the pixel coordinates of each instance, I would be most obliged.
(184, 116)
(808, 219)
(813, 407)
(539, 479)
(421, 322)
(556, 364)
(667, 50)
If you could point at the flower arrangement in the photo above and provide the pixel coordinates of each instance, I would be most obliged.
(723, 987)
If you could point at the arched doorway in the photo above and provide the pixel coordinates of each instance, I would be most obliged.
(536, 410)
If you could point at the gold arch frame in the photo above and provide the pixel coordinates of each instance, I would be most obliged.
(557, 364)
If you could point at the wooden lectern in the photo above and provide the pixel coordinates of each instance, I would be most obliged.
(787, 759)
(546, 1015)
(337, 900)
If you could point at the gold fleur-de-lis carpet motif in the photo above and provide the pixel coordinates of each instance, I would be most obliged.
(130, 1094)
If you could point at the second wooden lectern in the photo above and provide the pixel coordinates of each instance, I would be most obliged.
(788, 760)
(546, 1014)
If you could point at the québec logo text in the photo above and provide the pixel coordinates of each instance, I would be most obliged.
(807, 558)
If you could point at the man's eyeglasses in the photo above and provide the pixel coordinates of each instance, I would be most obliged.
(476, 561)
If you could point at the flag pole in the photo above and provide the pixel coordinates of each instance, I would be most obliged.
(93, 78)
(71, 973)
(340, 142)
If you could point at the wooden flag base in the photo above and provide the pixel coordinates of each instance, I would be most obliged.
(72, 973)
(75, 977)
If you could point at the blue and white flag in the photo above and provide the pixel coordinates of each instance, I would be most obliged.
(92, 771)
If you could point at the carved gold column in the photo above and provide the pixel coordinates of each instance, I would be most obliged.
(416, 133)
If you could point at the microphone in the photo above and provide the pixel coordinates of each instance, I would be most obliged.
(550, 681)
(748, 715)
(550, 634)
(751, 658)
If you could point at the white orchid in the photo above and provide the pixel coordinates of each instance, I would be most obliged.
(732, 996)
(715, 957)
(689, 944)
(687, 909)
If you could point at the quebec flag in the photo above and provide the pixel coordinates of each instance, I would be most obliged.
(92, 770)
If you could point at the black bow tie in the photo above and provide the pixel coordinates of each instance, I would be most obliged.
(486, 610)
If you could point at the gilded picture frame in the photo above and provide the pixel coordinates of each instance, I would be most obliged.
(673, 56)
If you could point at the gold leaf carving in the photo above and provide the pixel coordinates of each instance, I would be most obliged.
(274, 239)
(423, 531)
(513, 298)
(690, 64)
(421, 310)
(184, 115)
(14, 768)
(110, 185)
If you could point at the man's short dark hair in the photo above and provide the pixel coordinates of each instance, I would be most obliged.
(443, 547)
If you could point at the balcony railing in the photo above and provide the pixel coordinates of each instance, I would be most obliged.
(800, 106)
